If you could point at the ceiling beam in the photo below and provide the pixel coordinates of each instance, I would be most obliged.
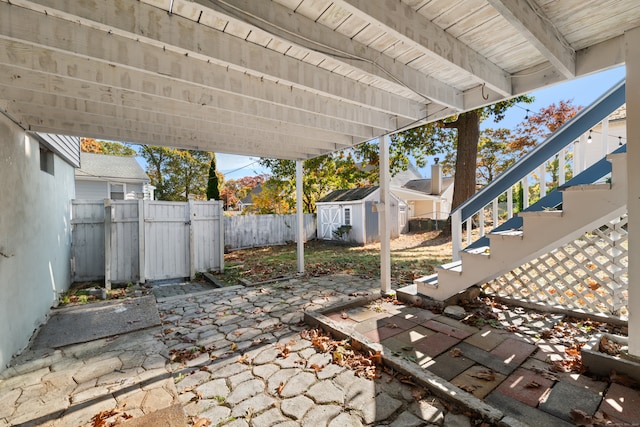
(290, 27)
(149, 26)
(403, 22)
(540, 32)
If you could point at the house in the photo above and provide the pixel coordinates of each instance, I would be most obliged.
(102, 176)
(356, 209)
(247, 200)
(426, 198)
(36, 171)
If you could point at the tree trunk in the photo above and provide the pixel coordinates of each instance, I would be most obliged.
(464, 184)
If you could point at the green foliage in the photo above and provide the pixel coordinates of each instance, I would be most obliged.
(177, 173)
(213, 184)
(342, 232)
(117, 149)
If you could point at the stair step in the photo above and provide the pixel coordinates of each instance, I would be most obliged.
(587, 187)
(480, 250)
(451, 266)
(431, 280)
(515, 233)
(541, 214)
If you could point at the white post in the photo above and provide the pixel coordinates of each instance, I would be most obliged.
(542, 171)
(510, 203)
(221, 234)
(561, 166)
(299, 217)
(495, 208)
(633, 190)
(456, 234)
(605, 137)
(469, 229)
(384, 218)
(108, 212)
(525, 192)
(141, 253)
(192, 243)
(481, 221)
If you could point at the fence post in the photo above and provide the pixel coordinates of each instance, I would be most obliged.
(108, 210)
(141, 235)
(221, 234)
(192, 252)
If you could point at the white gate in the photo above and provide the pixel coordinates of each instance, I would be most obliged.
(167, 244)
(330, 220)
(135, 240)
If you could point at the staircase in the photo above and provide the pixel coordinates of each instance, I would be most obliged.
(581, 205)
(584, 207)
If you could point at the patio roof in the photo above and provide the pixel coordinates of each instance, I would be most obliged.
(289, 79)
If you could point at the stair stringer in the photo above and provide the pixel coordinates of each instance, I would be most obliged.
(585, 208)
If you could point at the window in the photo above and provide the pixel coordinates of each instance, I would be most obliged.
(347, 216)
(116, 191)
(46, 160)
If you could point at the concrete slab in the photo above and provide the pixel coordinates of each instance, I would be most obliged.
(524, 413)
(173, 416)
(526, 386)
(448, 367)
(487, 339)
(622, 403)
(485, 358)
(435, 344)
(478, 381)
(78, 324)
(564, 397)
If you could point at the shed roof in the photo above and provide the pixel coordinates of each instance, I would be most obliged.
(110, 167)
(424, 185)
(350, 195)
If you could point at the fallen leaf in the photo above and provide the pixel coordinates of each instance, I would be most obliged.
(280, 387)
(532, 384)
(417, 393)
(456, 352)
(485, 374)
(201, 422)
(344, 315)
(244, 359)
(234, 346)
(468, 388)
(317, 367)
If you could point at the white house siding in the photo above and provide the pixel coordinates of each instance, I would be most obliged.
(91, 190)
(35, 237)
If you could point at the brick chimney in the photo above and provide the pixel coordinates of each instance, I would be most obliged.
(436, 177)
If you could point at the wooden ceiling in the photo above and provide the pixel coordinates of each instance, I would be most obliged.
(289, 79)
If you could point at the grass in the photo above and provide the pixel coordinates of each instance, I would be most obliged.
(412, 256)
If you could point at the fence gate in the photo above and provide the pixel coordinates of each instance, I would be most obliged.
(135, 240)
(167, 229)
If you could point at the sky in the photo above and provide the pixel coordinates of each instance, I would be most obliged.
(581, 92)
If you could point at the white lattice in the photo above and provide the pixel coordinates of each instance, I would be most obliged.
(589, 274)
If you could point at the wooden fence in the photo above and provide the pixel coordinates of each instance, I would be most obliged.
(248, 231)
(139, 240)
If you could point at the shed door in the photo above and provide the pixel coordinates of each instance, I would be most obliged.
(329, 221)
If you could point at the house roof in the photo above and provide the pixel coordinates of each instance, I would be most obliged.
(350, 195)
(289, 79)
(110, 167)
(248, 199)
(424, 185)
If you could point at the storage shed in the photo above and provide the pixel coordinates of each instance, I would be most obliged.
(355, 210)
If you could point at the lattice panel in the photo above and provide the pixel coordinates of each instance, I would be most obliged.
(588, 274)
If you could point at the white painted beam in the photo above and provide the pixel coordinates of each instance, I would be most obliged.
(157, 70)
(633, 190)
(540, 32)
(384, 217)
(150, 27)
(300, 31)
(403, 22)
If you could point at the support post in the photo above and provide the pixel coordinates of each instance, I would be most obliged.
(299, 217)
(510, 203)
(108, 211)
(141, 253)
(561, 165)
(633, 190)
(384, 218)
(221, 234)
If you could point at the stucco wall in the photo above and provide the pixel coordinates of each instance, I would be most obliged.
(35, 237)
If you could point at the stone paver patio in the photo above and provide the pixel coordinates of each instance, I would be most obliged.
(235, 356)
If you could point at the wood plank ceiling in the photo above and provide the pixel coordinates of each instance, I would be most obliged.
(289, 79)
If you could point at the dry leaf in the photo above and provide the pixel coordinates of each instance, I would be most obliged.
(280, 387)
(532, 384)
(456, 352)
(234, 346)
(417, 393)
(485, 374)
(344, 315)
(244, 359)
(317, 367)
(468, 388)
(201, 422)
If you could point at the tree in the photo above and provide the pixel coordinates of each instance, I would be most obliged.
(177, 173)
(493, 155)
(235, 190)
(213, 183)
(90, 145)
(322, 174)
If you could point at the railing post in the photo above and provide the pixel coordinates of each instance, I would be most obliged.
(456, 234)
(495, 208)
(510, 202)
(481, 221)
(561, 165)
(525, 192)
(469, 229)
(542, 171)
